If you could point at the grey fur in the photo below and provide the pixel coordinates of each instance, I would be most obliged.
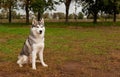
(33, 45)
(27, 48)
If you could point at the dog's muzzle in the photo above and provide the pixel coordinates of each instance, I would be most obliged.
(40, 31)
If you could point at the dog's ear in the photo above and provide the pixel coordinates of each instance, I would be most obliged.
(34, 22)
(41, 21)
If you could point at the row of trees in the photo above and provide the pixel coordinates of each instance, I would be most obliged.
(90, 7)
(60, 15)
(57, 15)
(37, 6)
(104, 6)
(94, 7)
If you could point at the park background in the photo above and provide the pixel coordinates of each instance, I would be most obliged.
(84, 42)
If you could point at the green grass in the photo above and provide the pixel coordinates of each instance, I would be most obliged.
(63, 40)
(66, 44)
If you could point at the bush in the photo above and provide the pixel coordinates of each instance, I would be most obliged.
(80, 15)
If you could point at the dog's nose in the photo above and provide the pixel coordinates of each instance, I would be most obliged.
(40, 31)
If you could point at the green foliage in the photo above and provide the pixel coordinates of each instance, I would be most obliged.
(91, 6)
(71, 16)
(43, 5)
(80, 15)
(61, 15)
(8, 3)
(58, 15)
(109, 6)
(46, 15)
(38, 5)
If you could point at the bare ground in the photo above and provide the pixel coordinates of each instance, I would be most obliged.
(86, 65)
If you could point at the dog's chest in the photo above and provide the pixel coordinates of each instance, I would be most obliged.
(38, 47)
(39, 40)
(39, 43)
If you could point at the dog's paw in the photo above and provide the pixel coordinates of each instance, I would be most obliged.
(20, 65)
(45, 65)
(34, 68)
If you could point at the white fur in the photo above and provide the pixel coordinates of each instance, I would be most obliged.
(37, 47)
(22, 60)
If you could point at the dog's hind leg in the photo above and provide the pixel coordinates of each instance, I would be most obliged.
(19, 63)
(41, 58)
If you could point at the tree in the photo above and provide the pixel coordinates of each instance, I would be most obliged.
(71, 16)
(67, 6)
(39, 6)
(3, 14)
(46, 15)
(25, 4)
(61, 15)
(111, 7)
(75, 9)
(95, 6)
(0, 3)
(9, 5)
(14, 14)
(55, 15)
(92, 7)
(80, 15)
(115, 11)
(116, 8)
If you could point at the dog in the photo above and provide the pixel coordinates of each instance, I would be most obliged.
(33, 45)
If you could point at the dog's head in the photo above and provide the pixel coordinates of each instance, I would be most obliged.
(38, 26)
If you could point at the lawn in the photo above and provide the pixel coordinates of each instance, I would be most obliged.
(69, 51)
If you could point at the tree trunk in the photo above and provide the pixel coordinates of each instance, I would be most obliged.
(67, 5)
(95, 18)
(67, 12)
(27, 11)
(95, 12)
(75, 16)
(114, 18)
(10, 10)
(0, 4)
(39, 16)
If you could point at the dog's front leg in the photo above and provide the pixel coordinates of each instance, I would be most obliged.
(41, 58)
(34, 60)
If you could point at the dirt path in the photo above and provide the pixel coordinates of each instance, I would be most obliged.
(89, 66)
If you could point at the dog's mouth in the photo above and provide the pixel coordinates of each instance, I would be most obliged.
(40, 31)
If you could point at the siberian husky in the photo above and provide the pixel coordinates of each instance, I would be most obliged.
(33, 45)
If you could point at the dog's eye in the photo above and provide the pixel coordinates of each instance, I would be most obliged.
(35, 26)
(42, 26)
